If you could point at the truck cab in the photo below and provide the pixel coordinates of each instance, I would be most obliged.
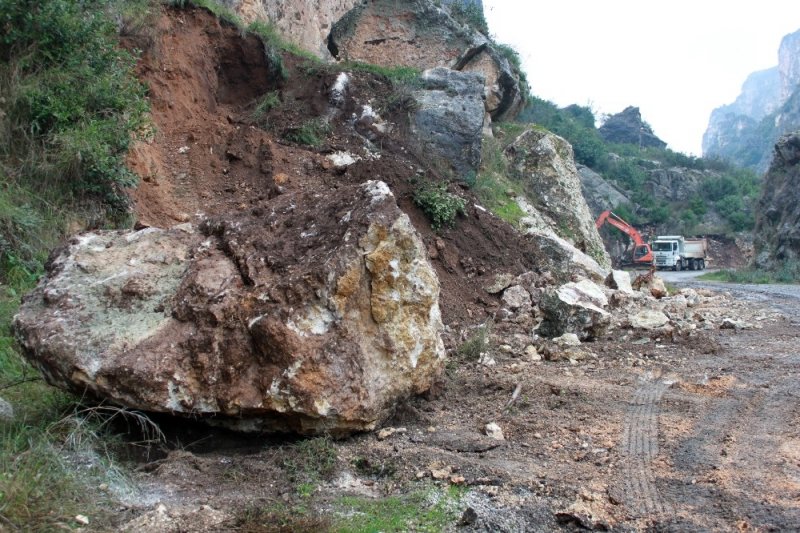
(667, 253)
(677, 253)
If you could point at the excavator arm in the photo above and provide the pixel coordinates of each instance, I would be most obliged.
(642, 253)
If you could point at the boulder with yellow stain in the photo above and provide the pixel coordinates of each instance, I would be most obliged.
(313, 313)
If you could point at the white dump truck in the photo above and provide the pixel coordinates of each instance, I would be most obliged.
(678, 253)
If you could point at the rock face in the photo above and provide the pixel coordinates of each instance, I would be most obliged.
(313, 313)
(306, 23)
(777, 231)
(745, 131)
(544, 164)
(419, 34)
(599, 193)
(676, 184)
(448, 122)
(627, 127)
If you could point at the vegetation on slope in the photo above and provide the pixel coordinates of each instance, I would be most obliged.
(69, 108)
(729, 191)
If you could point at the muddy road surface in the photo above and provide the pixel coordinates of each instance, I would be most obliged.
(729, 454)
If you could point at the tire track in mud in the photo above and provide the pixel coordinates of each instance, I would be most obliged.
(640, 447)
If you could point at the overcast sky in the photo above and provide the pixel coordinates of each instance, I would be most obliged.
(675, 60)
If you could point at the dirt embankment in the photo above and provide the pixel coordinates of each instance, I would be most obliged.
(210, 155)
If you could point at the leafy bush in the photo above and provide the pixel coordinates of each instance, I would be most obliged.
(73, 93)
(440, 206)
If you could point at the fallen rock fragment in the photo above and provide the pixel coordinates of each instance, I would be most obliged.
(494, 431)
(574, 308)
(316, 313)
(648, 319)
(619, 280)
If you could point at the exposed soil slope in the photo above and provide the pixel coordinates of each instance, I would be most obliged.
(210, 156)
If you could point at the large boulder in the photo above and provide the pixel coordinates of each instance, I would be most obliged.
(313, 313)
(545, 165)
(420, 34)
(576, 308)
(777, 231)
(564, 261)
(448, 122)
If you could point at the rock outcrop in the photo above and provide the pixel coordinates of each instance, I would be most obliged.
(745, 131)
(419, 34)
(777, 231)
(314, 313)
(306, 23)
(627, 127)
(675, 184)
(448, 122)
(599, 193)
(544, 164)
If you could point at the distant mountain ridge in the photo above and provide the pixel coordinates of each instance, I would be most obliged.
(745, 131)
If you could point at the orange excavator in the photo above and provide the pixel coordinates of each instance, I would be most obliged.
(642, 254)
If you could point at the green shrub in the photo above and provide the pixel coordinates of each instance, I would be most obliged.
(440, 206)
(476, 344)
(267, 103)
(310, 133)
(311, 460)
(432, 509)
(69, 108)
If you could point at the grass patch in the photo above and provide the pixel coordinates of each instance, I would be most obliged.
(787, 273)
(311, 460)
(430, 510)
(310, 133)
(398, 74)
(282, 518)
(265, 104)
(496, 191)
(476, 344)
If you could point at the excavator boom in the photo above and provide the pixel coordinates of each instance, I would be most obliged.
(642, 254)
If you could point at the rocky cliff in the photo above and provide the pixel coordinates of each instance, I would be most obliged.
(777, 232)
(745, 131)
(627, 127)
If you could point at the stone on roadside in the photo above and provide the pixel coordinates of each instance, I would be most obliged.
(500, 283)
(6, 411)
(494, 431)
(648, 319)
(516, 297)
(574, 308)
(619, 280)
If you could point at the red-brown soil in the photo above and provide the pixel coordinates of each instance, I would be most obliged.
(209, 156)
